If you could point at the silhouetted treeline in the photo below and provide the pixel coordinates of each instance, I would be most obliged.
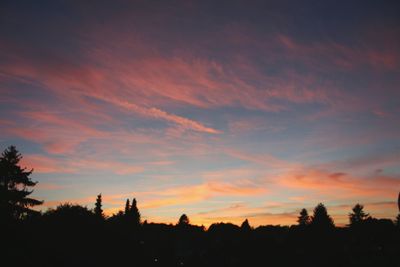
(73, 235)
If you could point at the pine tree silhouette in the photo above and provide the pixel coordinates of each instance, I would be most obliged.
(14, 184)
(134, 212)
(358, 215)
(127, 207)
(98, 211)
(245, 225)
(303, 219)
(321, 218)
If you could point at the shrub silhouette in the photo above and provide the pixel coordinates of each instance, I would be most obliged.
(183, 220)
(397, 221)
(69, 212)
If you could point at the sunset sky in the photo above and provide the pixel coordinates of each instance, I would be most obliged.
(223, 110)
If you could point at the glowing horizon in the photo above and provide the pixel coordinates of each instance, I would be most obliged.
(220, 111)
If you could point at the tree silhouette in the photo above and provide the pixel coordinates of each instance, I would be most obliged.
(14, 184)
(183, 220)
(117, 217)
(98, 211)
(398, 216)
(397, 221)
(245, 225)
(127, 207)
(134, 212)
(70, 214)
(321, 218)
(398, 202)
(358, 215)
(303, 219)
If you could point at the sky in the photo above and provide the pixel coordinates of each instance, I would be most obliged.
(222, 110)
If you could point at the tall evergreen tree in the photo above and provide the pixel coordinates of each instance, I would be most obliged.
(303, 219)
(134, 212)
(14, 184)
(358, 215)
(98, 211)
(321, 218)
(127, 207)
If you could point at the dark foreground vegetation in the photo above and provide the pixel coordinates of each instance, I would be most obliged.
(72, 235)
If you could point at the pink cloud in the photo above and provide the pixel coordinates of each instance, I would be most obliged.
(167, 81)
(342, 56)
(56, 133)
(43, 164)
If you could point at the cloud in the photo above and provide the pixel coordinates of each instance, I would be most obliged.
(338, 185)
(45, 164)
(261, 159)
(69, 84)
(183, 195)
(341, 55)
(160, 114)
(48, 186)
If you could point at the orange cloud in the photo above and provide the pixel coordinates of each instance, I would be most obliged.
(338, 185)
(190, 194)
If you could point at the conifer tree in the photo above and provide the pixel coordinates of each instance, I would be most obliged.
(245, 225)
(127, 207)
(98, 211)
(358, 215)
(303, 219)
(134, 212)
(14, 184)
(321, 218)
